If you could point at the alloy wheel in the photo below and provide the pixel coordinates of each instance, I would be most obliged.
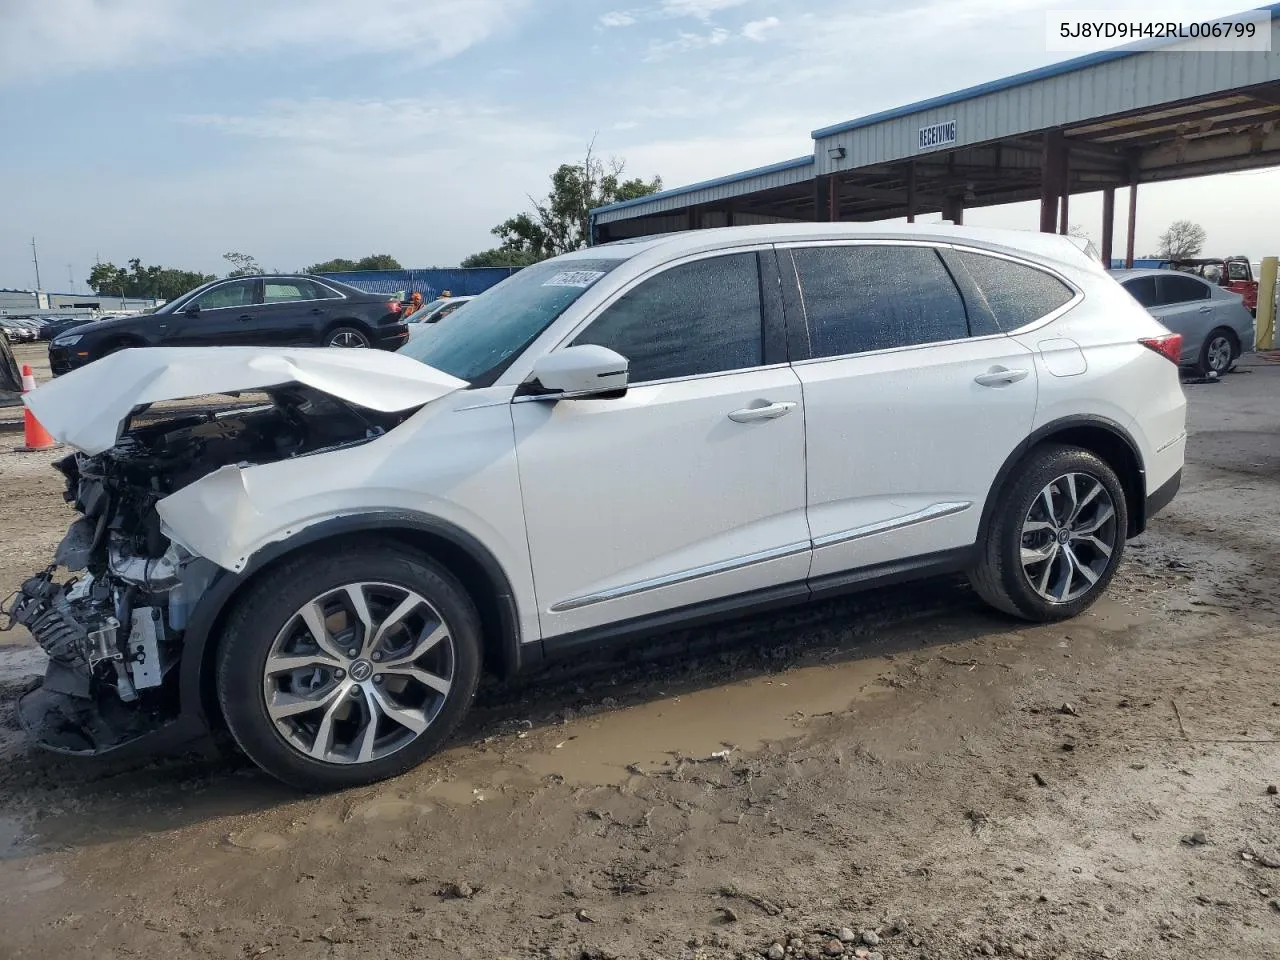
(348, 338)
(1218, 354)
(1068, 537)
(359, 672)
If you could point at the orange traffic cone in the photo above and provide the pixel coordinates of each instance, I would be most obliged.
(35, 436)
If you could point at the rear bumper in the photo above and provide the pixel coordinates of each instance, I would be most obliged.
(392, 338)
(1164, 495)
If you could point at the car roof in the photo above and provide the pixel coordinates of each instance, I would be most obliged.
(692, 241)
(1122, 275)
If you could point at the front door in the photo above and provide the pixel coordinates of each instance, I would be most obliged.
(912, 403)
(690, 488)
(225, 317)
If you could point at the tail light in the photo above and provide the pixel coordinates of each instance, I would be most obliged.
(1169, 346)
(394, 306)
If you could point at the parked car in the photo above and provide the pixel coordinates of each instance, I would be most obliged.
(273, 310)
(10, 376)
(19, 329)
(1215, 326)
(1234, 273)
(604, 446)
(53, 326)
(437, 310)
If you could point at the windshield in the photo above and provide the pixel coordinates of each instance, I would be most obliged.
(426, 310)
(478, 343)
(177, 302)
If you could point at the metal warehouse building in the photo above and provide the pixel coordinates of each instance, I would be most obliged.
(1119, 118)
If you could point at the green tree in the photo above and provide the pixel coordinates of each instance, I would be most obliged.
(163, 283)
(337, 265)
(376, 261)
(562, 221)
(242, 265)
(500, 257)
(1183, 239)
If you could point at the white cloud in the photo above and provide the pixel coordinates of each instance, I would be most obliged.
(756, 29)
(617, 18)
(39, 36)
(701, 9)
(685, 42)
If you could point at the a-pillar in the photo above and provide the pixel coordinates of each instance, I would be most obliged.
(1108, 224)
(953, 209)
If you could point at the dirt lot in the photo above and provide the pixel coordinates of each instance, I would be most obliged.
(905, 764)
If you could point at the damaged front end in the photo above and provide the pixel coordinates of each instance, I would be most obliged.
(114, 628)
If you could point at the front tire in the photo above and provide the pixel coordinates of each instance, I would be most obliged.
(348, 666)
(1056, 538)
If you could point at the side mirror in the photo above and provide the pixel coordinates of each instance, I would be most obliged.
(578, 372)
(193, 310)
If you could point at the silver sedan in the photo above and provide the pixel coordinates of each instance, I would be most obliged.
(1216, 327)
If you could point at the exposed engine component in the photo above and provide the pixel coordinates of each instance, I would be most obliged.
(114, 630)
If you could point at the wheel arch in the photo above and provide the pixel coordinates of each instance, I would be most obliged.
(465, 557)
(1106, 439)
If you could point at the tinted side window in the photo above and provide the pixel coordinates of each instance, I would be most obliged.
(860, 298)
(1143, 290)
(696, 318)
(282, 291)
(1176, 289)
(324, 293)
(1238, 271)
(237, 294)
(1017, 294)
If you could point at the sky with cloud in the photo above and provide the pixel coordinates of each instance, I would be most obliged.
(299, 130)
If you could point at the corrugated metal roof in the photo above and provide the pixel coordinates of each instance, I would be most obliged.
(1017, 80)
(741, 182)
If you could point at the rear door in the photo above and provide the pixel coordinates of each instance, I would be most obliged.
(293, 312)
(226, 316)
(913, 399)
(1185, 305)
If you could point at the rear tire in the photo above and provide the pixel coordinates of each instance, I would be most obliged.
(1056, 537)
(352, 338)
(1218, 353)
(347, 666)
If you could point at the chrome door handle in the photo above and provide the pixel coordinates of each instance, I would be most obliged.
(1000, 377)
(770, 411)
(1205, 310)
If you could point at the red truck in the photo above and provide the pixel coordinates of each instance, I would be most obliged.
(1234, 273)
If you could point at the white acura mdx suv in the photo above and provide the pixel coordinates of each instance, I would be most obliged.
(604, 446)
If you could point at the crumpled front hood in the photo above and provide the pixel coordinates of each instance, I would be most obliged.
(87, 408)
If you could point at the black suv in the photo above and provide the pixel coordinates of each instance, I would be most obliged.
(269, 311)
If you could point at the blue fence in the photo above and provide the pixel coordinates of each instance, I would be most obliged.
(430, 283)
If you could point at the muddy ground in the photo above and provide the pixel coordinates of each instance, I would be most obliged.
(905, 764)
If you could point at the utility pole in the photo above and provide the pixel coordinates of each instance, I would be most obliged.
(71, 283)
(36, 260)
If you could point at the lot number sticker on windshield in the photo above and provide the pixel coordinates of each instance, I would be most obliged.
(575, 278)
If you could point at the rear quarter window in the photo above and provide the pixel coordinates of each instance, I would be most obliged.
(1016, 294)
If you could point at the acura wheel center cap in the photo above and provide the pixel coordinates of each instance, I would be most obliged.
(361, 671)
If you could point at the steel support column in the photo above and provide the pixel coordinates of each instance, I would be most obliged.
(1052, 180)
(1108, 224)
(953, 209)
(1064, 223)
(1133, 221)
(911, 192)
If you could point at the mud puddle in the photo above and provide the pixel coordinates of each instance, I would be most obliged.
(707, 724)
